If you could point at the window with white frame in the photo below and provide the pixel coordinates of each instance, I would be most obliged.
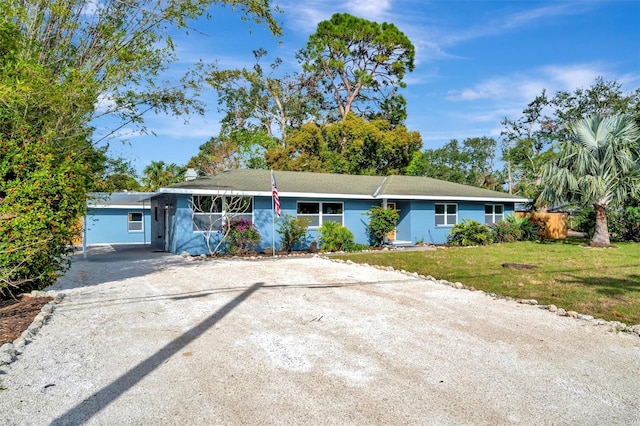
(134, 222)
(211, 212)
(446, 214)
(320, 212)
(493, 213)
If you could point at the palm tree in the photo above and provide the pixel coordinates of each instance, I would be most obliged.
(597, 165)
(159, 174)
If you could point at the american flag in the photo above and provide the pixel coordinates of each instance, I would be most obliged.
(274, 193)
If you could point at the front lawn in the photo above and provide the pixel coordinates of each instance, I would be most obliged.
(604, 283)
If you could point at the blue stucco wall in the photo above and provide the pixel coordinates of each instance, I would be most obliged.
(423, 223)
(110, 226)
(183, 238)
(403, 228)
(356, 219)
(417, 221)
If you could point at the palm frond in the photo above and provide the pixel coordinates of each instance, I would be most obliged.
(598, 163)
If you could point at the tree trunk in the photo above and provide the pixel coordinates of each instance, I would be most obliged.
(601, 235)
(510, 184)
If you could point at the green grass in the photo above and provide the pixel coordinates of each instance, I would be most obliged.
(604, 283)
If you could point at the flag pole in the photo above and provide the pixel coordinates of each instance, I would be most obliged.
(275, 211)
(273, 226)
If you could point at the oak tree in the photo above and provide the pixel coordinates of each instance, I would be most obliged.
(353, 146)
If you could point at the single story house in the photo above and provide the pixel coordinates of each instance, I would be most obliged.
(187, 217)
(117, 218)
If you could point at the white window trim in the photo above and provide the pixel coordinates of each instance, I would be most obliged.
(141, 222)
(320, 214)
(224, 214)
(493, 213)
(445, 224)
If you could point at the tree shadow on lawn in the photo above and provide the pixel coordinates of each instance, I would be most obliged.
(607, 286)
(613, 286)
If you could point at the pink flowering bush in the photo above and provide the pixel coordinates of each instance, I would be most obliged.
(241, 237)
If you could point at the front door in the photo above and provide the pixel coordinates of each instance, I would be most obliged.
(165, 226)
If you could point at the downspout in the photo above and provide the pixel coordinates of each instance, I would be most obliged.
(144, 225)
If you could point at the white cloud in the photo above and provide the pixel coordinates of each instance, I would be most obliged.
(434, 139)
(527, 85)
(490, 26)
(630, 80)
(174, 127)
(304, 15)
(544, 13)
(495, 88)
(530, 87)
(438, 37)
(373, 10)
(571, 77)
(493, 115)
(427, 50)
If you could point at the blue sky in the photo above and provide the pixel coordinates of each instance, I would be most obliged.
(476, 61)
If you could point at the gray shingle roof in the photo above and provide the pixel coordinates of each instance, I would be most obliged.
(258, 182)
(118, 198)
(415, 186)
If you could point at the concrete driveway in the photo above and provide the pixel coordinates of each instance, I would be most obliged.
(151, 338)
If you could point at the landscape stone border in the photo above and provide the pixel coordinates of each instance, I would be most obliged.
(613, 326)
(9, 351)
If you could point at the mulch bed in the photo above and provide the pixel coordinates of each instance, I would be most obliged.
(16, 315)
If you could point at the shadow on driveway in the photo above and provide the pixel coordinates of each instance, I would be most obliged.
(82, 412)
(126, 261)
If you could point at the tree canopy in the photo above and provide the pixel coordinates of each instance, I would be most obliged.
(159, 174)
(353, 146)
(117, 50)
(352, 70)
(528, 142)
(470, 164)
(234, 149)
(260, 101)
(42, 173)
(360, 65)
